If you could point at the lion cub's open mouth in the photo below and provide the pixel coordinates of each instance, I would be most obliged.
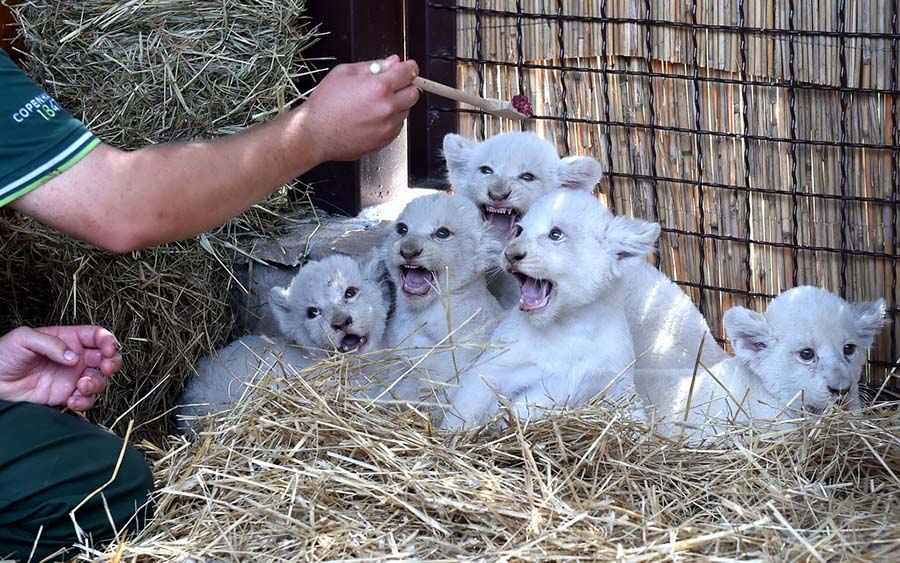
(416, 280)
(501, 218)
(536, 294)
(351, 342)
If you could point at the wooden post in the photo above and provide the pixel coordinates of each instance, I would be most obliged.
(8, 32)
(431, 41)
(358, 30)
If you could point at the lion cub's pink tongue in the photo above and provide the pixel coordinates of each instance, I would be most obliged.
(535, 294)
(503, 222)
(417, 281)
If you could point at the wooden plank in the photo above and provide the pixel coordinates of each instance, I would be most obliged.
(8, 31)
(358, 30)
(431, 41)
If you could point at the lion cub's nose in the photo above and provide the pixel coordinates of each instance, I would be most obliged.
(341, 321)
(514, 255)
(410, 251)
(838, 392)
(497, 196)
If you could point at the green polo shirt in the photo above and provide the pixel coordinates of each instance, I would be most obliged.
(38, 139)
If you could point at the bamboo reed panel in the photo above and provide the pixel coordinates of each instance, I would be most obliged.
(747, 268)
(868, 60)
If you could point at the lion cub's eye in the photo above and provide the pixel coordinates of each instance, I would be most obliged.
(849, 349)
(312, 313)
(401, 228)
(807, 354)
(442, 232)
(556, 234)
(486, 170)
(350, 293)
(517, 231)
(527, 177)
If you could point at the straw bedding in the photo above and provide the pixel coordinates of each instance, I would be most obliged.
(149, 71)
(311, 473)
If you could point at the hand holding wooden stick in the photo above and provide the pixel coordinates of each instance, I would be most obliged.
(519, 108)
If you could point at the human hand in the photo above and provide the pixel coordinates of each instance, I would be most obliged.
(353, 111)
(57, 365)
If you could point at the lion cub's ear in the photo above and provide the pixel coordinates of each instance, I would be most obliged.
(630, 238)
(372, 266)
(458, 153)
(870, 319)
(279, 303)
(579, 173)
(749, 332)
(375, 271)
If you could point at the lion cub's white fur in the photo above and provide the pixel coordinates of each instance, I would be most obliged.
(334, 304)
(665, 324)
(805, 353)
(223, 378)
(507, 173)
(569, 339)
(437, 253)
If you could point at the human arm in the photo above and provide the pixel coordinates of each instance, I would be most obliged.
(121, 201)
(57, 366)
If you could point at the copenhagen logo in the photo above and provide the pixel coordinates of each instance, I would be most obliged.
(42, 105)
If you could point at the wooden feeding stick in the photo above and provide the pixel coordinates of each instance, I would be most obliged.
(518, 108)
(493, 106)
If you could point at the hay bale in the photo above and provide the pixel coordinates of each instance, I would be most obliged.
(312, 473)
(163, 70)
(138, 73)
(167, 306)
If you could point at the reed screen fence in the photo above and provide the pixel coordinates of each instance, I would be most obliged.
(762, 135)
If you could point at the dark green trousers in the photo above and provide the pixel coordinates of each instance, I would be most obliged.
(51, 461)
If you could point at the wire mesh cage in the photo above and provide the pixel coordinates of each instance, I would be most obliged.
(761, 135)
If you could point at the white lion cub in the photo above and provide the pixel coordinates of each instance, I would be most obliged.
(805, 353)
(507, 173)
(666, 325)
(332, 305)
(569, 339)
(437, 253)
(504, 175)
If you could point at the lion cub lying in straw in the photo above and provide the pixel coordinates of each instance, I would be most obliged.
(438, 254)
(333, 305)
(805, 353)
(569, 340)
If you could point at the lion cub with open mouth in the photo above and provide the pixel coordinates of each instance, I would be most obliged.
(506, 174)
(569, 339)
(334, 305)
(438, 253)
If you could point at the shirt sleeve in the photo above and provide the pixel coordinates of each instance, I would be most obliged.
(38, 139)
